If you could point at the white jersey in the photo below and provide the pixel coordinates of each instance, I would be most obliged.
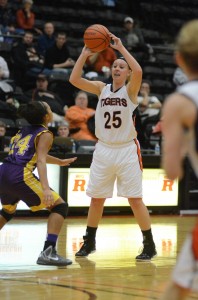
(190, 90)
(113, 117)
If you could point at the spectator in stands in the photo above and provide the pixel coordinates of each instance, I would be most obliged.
(41, 93)
(101, 62)
(7, 18)
(4, 143)
(25, 18)
(4, 71)
(27, 61)
(133, 39)
(147, 114)
(2, 128)
(47, 39)
(58, 58)
(78, 116)
(63, 129)
(8, 103)
(149, 106)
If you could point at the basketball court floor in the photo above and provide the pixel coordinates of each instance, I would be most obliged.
(111, 273)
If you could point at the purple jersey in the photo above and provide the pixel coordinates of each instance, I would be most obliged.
(23, 146)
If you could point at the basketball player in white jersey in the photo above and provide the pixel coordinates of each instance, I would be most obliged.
(180, 130)
(117, 154)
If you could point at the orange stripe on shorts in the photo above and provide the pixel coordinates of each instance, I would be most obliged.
(139, 153)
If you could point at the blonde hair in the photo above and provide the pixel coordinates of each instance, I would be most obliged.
(187, 44)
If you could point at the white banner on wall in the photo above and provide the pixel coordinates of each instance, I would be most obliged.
(158, 190)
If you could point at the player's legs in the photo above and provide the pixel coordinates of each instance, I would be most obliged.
(55, 221)
(5, 216)
(143, 219)
(141, 213)
(129, 184)
(100, 186)
(175, 292)
(95, 212)
(94, 217)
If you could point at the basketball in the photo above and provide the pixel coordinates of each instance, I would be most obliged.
(96, 37)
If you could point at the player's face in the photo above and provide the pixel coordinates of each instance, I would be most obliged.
(120, 70)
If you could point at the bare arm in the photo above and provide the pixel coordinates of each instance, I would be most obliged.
(134, 83)
(177, 113)
(60, 162)
(77, 80)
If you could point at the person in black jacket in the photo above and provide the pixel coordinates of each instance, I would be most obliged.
(26, 59)
(41, 93)
(57, 57)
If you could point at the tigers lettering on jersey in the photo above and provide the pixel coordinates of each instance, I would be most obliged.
(113, 102)
(113, 117)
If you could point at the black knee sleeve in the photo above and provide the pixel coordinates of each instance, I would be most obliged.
(6, 215)
(61, 209)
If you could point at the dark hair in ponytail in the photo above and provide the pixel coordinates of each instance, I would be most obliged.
(33, 112)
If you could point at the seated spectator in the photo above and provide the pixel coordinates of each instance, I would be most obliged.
(25, 18)
(133, 39)
(149, 105)
(4, 71)
(58, 58)
(4, 140)
(41, 93)
(8, 103)
(26, 60)
(7, 19)
(63, 129)
(47, 39)
(78, 115)
(63, 143)
(101, 62)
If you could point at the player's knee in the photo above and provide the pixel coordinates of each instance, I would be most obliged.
(61, 209)
(6, 215)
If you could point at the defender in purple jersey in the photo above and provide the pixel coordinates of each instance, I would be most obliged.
(29, 149)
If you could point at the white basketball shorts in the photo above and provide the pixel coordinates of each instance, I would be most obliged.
(122, 163)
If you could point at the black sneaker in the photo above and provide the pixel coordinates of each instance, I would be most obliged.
(148, 252)
(49, 257)
(89, 246)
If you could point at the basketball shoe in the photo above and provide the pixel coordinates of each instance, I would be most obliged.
(89, 246)
(148, 252)
(51, 258)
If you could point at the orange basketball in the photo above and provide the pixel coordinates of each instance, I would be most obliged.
(96, 37)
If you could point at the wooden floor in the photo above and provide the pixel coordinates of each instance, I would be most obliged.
(111, 273)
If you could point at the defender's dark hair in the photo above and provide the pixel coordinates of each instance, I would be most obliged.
(33, 112)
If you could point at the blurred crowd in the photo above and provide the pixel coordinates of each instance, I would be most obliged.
(39, 62)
